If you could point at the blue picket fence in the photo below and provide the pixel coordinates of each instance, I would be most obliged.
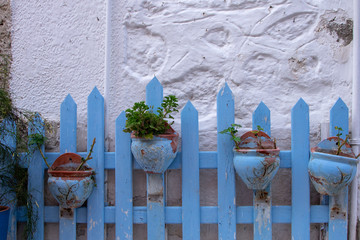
(156, 214)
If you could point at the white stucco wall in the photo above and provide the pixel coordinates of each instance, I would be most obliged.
(272, 51)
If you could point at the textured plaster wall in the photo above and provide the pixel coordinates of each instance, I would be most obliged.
(272, 51)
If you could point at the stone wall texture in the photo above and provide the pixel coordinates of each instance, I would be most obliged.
(272, 51)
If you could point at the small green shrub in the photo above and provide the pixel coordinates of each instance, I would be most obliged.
(145, 123)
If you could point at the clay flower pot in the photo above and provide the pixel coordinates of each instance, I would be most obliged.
(4, 221)
(155, 155)
(256, 166)
(69, 187)
(330, 172)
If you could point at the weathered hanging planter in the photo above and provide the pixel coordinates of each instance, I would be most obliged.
(154, 141)
(257, 160)
(69, 187)
(4, 221)
(155, 155)
(328, 171)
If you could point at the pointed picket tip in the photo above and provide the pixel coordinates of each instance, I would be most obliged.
(37, 118)
(261, 117)
(121, 119)
(225, 92)
(95, 93)
(261, 108)
(68, 102)
(154, 83)
(339, 105)
(189, 107)
(36, 125)
(339, 116)
(301, 104)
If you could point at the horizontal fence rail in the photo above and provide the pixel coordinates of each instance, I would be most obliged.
(300, 214)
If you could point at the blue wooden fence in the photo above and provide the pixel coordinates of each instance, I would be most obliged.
(227, 215)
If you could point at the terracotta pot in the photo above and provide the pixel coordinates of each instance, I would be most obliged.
(155, 155)
(4, 221)
(330, 172)
(69, 187)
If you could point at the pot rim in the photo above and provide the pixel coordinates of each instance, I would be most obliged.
(245, 150)
(335, 158)
(63, 173)
(157, 137)
(5, 208)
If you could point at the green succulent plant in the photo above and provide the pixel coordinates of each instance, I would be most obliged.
(145, 123)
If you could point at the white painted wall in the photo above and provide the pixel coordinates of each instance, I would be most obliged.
(272, 51)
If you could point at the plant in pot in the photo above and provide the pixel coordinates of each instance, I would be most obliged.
(154, 141)
(71, 180)
(256, 157)
(13, 176)
(332, 165)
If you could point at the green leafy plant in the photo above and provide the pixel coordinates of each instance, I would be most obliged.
(232, 130)
(144, 123)
(13, 176)
(341, 142)
(256, 132)
(88, 157)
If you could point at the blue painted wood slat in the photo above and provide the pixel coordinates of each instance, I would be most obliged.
(208, 160)
(123, 181)
(300, 150)
(226, 171)
(95, 203)
(173, 215)
(36, 179)
(338, 206)
(8, 138)
(190, 173)
(155, 182)
(68, 121)
(262, 205)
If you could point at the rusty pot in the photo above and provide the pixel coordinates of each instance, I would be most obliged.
(155, 155)
(69, 187)
(256, 162)
(329, 172)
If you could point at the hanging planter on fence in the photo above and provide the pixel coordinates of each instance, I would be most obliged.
(257, 160)
(70, 187)
(154, 141)
(332, 166)
(155, 155)
(256, 157)
(4, 221)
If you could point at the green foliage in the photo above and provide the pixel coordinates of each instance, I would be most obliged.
(88, 157)
(144, 123)
(13, 177)
(14, 184)
(256, 132)
(232, 130)
(340, 142)
(37, 140)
